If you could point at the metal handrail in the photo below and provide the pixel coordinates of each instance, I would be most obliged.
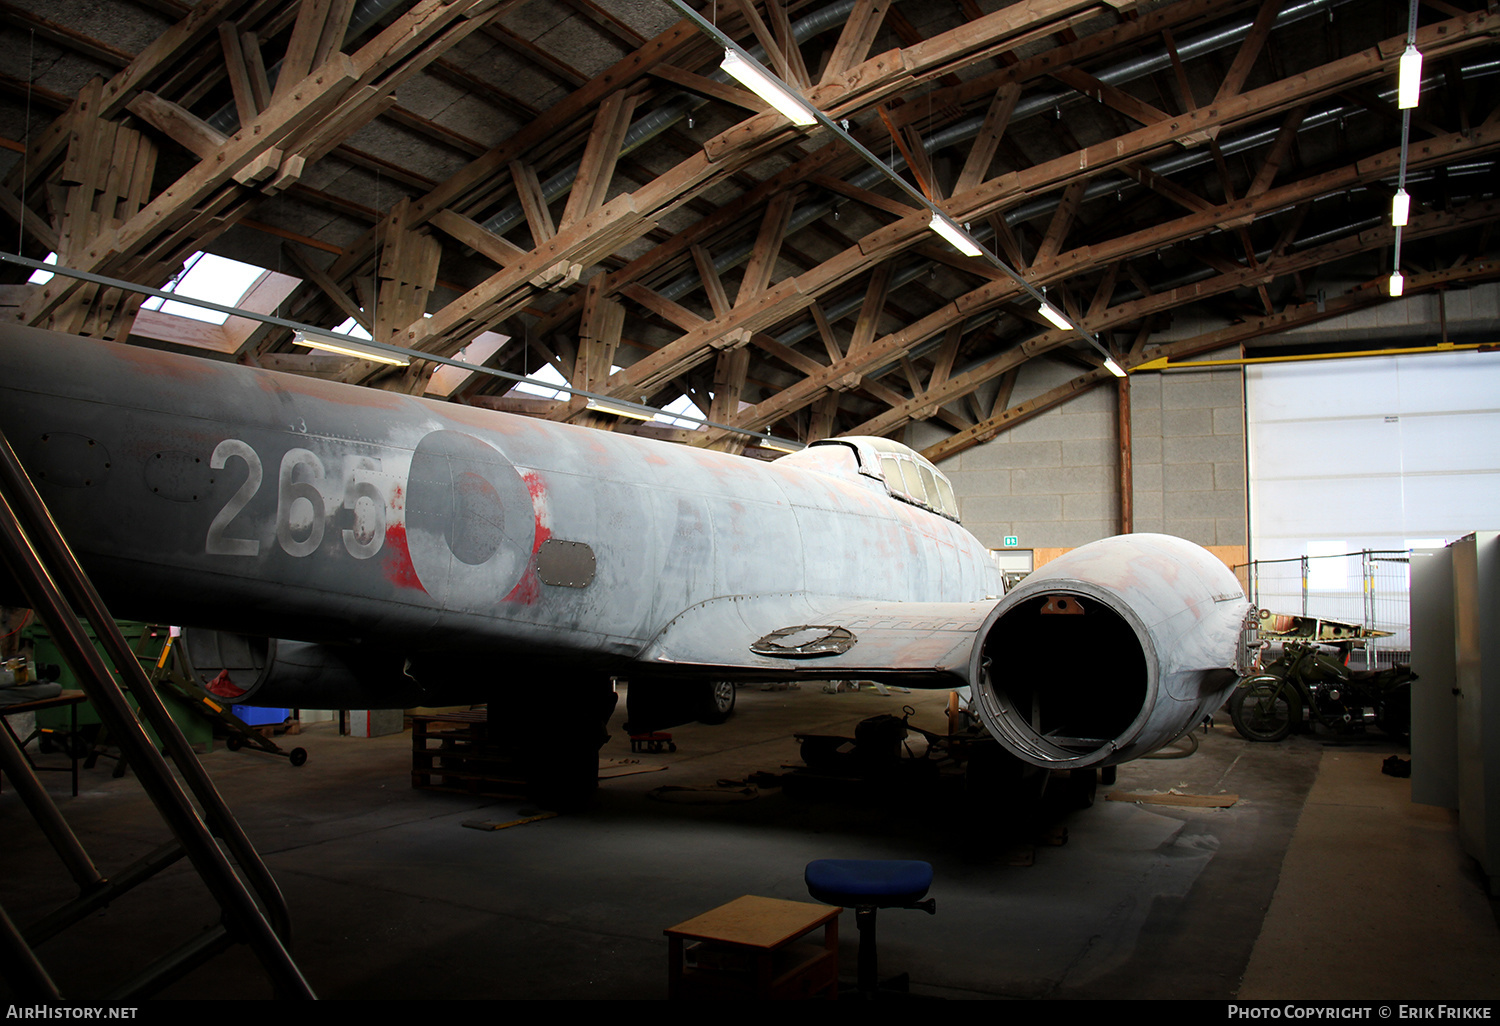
(41, 562)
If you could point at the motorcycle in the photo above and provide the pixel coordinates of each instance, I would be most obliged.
(1306, 684)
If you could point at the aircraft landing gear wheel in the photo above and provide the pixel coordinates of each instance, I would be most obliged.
(1264, 710)
(718, 704)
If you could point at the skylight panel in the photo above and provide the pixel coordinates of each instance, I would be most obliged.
(212, 278)
(42, 277)
(536, 381)
(687, 414)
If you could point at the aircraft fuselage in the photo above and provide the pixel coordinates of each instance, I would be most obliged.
(268, 503)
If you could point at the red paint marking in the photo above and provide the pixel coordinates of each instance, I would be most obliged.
(398, 566)
(538, 491)
(528, 590)
(534, 485)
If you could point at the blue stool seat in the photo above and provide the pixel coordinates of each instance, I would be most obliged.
(869, 885)
(883, 884)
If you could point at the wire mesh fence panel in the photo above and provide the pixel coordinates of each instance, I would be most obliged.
(1388, 578)
(1368, 588)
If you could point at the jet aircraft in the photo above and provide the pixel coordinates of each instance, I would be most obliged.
(331, 546)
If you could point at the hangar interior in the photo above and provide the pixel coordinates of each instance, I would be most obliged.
(564, 209)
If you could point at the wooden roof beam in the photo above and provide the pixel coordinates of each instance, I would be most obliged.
(993, 196)
(786, 44)
(733, 149)
(762, 264)
(1145, 307)
(982, 151)
(246, 71)
(1145, 240)
(1250, 47)
(315, 274)
(183, 127)
(316, 34)
(179, 41)
(868, 321)
(185, 200)
(1366, 296)
(1116, 99)
(710, 89)
(856, 38)
(1061, 223)
(600, 154)
(718, 299)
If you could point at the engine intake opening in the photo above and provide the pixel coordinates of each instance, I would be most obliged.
(1067, 671)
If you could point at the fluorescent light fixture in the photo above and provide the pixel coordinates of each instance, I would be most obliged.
(1397, 284)
(777, 444)
(954, 235)
(345, 347)
(1409, 84)
(1113, 368)
(1050, 312)
(603, 406)
(767, 88)
(1400, 208)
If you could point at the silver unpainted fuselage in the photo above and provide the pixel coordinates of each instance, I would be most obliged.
(283, 505)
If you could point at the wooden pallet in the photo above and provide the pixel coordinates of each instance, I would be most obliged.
(454, 752)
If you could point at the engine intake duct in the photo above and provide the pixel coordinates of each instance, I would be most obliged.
(1109, 652)
(277, 672)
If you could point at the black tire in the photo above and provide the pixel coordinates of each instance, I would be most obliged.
(234, 743)
(297, 756)
(1264, 710)
(718, 701)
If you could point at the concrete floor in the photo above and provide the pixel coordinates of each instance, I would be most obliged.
(1322, 880)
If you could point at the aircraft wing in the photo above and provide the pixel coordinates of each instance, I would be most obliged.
(800, 636)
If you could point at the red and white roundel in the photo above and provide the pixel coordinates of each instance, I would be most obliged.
(470, 523)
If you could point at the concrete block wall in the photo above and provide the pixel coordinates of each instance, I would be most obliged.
(1188, 451)
(1053, 481)
(1049, 481)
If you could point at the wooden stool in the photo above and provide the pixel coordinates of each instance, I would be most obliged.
(748, 948)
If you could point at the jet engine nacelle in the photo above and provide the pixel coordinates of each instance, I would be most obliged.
(1110, 652)
(297, 674)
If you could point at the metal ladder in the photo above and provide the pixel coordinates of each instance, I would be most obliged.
(40, 561)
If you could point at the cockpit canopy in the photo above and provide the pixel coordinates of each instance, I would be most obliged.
(905, 473)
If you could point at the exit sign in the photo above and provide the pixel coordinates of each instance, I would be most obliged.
(1011, 541)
